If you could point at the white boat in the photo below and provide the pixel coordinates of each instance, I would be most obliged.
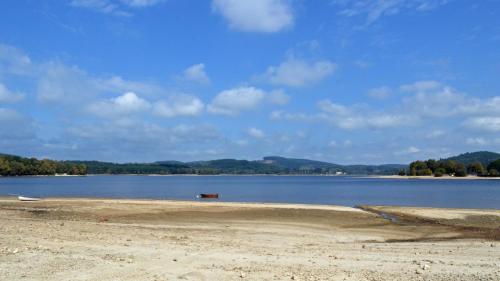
(24, 198)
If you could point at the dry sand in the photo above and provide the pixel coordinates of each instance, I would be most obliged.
(445, 177)
(82, 239)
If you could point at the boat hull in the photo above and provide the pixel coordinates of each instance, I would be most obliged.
(24, 198)
(209, 196)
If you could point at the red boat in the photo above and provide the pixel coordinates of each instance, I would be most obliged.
(209, 195)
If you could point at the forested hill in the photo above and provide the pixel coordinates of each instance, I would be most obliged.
(484, 157)
(481, 163)
(11, 165)
(272, 165)
(296, 164)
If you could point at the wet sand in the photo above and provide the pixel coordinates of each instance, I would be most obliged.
(94, 239)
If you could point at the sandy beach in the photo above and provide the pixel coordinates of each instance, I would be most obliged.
(94, 239)
(445, 177)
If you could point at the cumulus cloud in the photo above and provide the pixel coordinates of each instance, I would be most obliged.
(485, 123)
(349, 117)
(256, 15)
(355, 117)
(236, 100)
(60, 83)
(142, 140)
(426, 102)
(180, 105)
(7, 95)
(295, 72)
(197, 74)
(117, 84)
(125, 104)
(478, 141)
(256, 133)
(409, 150)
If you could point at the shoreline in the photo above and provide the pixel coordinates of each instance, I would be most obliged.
(430, 177)
(270, 175)
(237, 204)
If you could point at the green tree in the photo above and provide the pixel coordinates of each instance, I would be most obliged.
(476, 168)
(460, 170)
(493, 173)
(494, 165)
(439, 172)
(432, 164)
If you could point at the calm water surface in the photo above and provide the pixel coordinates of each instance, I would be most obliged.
(347, 191)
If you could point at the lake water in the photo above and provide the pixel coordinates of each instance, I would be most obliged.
(347, 191)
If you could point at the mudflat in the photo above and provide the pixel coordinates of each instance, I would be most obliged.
(99, 239)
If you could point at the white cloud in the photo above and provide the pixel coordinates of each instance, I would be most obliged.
(334, 108)
(476, 141)
(7, 114)
(435, 134)
(255, 15)
(197, 74)
(354, 117)
(101, 6)
(380, 93)
(349, 117)
(333, 143)
(13, 60)
(373, 10)
(114, 7)
(409, 150)
(256, 133)
(7, 95)
(181, 105)
(60, 83)
(278, 97)
(485, 123)
(295, 72)
(125, 104)
(233, 101)
(117, 84)
(421, 86)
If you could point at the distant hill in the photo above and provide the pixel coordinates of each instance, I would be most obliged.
(485, 157)
(386, 169)
(272, 165)
(296, 164)
(233, 166)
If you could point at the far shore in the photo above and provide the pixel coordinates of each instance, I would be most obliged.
(431, 177)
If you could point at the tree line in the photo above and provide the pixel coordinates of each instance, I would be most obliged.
(440, 168)
(19, 166)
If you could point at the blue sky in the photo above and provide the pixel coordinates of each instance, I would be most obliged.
(346, 81)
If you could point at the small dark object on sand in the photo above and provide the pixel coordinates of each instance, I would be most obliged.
(209, 195)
